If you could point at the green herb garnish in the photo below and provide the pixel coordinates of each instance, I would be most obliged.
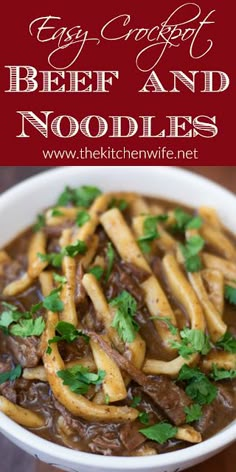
(190, 251)
(82, 196)
(97, 271)
(66, 332)
(82, 218)
(11, 374)
(143, 417)
(110, 253)
(199, 388)
(230, 294)
(160, 432)
(193, 413)
(120, 204)
(185, 221)
(192, 341)
(222, 374)
(227, 343)
(124, 322)
(136, 401)
(78, 378)
(150, 232)
(40, 223)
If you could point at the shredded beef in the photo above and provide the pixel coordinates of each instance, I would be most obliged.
(26, 351)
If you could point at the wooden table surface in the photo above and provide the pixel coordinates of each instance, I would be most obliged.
(13, 459)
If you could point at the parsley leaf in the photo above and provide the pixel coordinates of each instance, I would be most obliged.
(55, 258)
(150, 232)
(136, 401)
(230, 294)
(123, 322)
(222, 374)
(227, 343)
(59, 278)
(78, 378)
(160, 432)
(82, 196)
(185, 221)
(65, 197)
(40, 223)
(110, 260)
(78, 247)
(199, 387)
(172, 328)
(67, 332)
(193, 412)
(11, 374)
(25, 328)
(120, 204)
(8, 316)
(143, 417)
(190, 252)
(56, 212)
(97, 271)
(82, 218)
(107, 399)
(53, 302)
(192, 341)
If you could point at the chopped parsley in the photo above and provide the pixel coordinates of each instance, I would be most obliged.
(81, 196)
(78, 378)
(20, 323)
(124, 322)
(40, 223)
(192, 341)
(72, 250)
(227, 343)
(121, 204)
(230, 294)
(193, 412)
(143, 417)
(136, 401)
(199, 388)
(160, 432)
(25, 328)
(56, 212)
(53, 302)
(190, 252)
(61, 279)
(82, 218)
(107, 399)
(66, 332)
(11, 374)
(97, 271)
(222, 374)
(184, 221)
(110, 254)
(150, 232)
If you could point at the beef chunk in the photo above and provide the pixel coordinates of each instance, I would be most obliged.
(169, 396)
(26, 351)
(130, 436)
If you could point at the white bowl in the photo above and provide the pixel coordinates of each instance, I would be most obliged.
(18, 208)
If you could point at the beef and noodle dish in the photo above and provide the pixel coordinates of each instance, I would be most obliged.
(118, 324)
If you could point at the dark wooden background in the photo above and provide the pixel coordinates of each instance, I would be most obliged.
(12, 458)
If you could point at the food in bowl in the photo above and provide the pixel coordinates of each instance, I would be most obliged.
(118, 324)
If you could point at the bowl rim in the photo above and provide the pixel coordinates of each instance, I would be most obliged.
(53, 450)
